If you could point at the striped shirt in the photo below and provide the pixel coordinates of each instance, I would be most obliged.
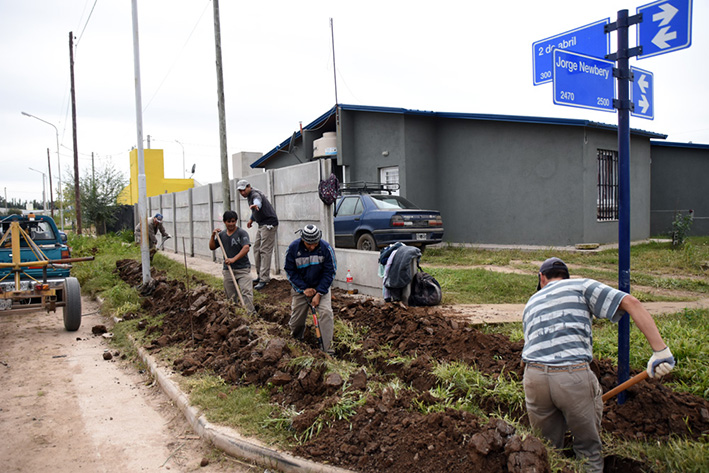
(557, 320)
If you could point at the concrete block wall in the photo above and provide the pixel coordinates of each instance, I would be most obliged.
(191, 215)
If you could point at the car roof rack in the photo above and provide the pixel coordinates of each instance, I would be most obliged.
(365, 187)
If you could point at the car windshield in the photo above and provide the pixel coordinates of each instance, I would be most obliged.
(388, 202)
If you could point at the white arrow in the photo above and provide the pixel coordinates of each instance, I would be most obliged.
(668, 12)
(662, 36)
(644, 103)
(643, 83)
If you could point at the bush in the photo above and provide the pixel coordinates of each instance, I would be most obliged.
(680, 228)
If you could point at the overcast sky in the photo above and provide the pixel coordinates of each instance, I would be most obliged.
(448, 56)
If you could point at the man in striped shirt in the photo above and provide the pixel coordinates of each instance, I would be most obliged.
(561, 392)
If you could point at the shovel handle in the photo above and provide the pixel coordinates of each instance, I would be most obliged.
(622, 387)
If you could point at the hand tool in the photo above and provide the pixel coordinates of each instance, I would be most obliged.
(622, 387)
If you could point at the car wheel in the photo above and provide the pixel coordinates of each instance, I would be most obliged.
(72, 307)
(366, 243)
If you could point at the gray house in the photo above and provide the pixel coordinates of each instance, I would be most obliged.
(495, 178)
(680, 183)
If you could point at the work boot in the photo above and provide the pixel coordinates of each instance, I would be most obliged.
(260, 286)
(256, 281)
(298, 333)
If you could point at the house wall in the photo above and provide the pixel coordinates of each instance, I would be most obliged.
(679, 182)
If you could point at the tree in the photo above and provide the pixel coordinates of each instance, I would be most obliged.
(98, 191)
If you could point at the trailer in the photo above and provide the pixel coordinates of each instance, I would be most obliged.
(35, 264)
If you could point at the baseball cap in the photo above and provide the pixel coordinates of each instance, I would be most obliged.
(551, 263)
(242, 184)
(158, 217)
(310, 234)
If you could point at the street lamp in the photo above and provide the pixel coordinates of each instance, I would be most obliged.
(44, 196)
(183, 158)
(59, 166)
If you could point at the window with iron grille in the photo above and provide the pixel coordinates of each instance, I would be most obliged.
(607, 197)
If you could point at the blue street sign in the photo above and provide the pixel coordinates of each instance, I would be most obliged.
(666, 27)
(642, 94)
(583, 81)
(590, 39)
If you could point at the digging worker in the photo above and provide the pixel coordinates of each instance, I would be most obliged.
(561, 391)
(311, 266)
(263, 213)
(154, 227)
(236, 244)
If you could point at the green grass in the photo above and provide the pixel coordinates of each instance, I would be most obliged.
(244, 408)
(479, 286)
(687, 335)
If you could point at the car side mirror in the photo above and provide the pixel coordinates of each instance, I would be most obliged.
(62, 235)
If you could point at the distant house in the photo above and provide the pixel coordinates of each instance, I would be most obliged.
(495, 178)
(155, 181)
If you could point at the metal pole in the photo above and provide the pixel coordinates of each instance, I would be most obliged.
(59, 166)
(49, 171)
(142, 192)
(226, 193)
(44, 178)
(624, 195)
(183, 160)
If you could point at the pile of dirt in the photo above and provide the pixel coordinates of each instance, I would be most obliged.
(389, 432)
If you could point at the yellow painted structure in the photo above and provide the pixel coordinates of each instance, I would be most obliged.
(155, 181)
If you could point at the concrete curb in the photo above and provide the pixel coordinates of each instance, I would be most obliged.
(227, 439)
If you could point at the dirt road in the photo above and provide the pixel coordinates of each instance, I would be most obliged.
(63, 408)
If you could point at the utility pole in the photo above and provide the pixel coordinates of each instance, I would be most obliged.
(226, 194)
(51, 198)
(142, 192)
(77, 196)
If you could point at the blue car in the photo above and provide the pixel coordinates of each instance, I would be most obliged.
(372, 221)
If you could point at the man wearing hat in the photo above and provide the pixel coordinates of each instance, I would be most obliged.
(311, 266)
(154, 227)
(561, 392)
(263, 213)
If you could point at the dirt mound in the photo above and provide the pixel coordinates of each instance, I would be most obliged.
(389, 432)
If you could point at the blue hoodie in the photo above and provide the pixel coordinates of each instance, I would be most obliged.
(314, 269)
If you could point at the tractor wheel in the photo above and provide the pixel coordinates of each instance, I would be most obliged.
(366, 243)
(72, 304)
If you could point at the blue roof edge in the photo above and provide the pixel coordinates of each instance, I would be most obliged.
(674, 144)
(460, 116)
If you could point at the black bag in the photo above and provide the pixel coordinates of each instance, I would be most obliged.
(425, 290)
(329, 189)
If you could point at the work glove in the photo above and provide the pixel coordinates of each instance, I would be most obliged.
(661, 362)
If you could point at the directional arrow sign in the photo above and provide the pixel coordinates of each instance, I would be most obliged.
(666, 27)
(583, 81)
(590, 39)
(642, 94)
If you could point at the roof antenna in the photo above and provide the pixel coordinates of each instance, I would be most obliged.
(334, 69)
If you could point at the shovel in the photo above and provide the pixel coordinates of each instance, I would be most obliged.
(622, 387)
(162, 242)
(317, 327)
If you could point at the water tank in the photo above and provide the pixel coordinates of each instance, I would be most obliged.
(325, 146)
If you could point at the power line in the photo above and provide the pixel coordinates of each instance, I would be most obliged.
(169, 71)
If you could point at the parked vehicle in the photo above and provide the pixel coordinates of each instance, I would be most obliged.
(35, 268)
(369, 217)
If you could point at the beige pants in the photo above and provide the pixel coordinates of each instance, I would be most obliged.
(568, 399)
(263, 249)
(243, 278)
(300, 313)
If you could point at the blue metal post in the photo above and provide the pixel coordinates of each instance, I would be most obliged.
(624, 194)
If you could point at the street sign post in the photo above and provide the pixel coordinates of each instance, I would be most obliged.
(583, 81)
(589, 39)
(642, 94)
(666, 27)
